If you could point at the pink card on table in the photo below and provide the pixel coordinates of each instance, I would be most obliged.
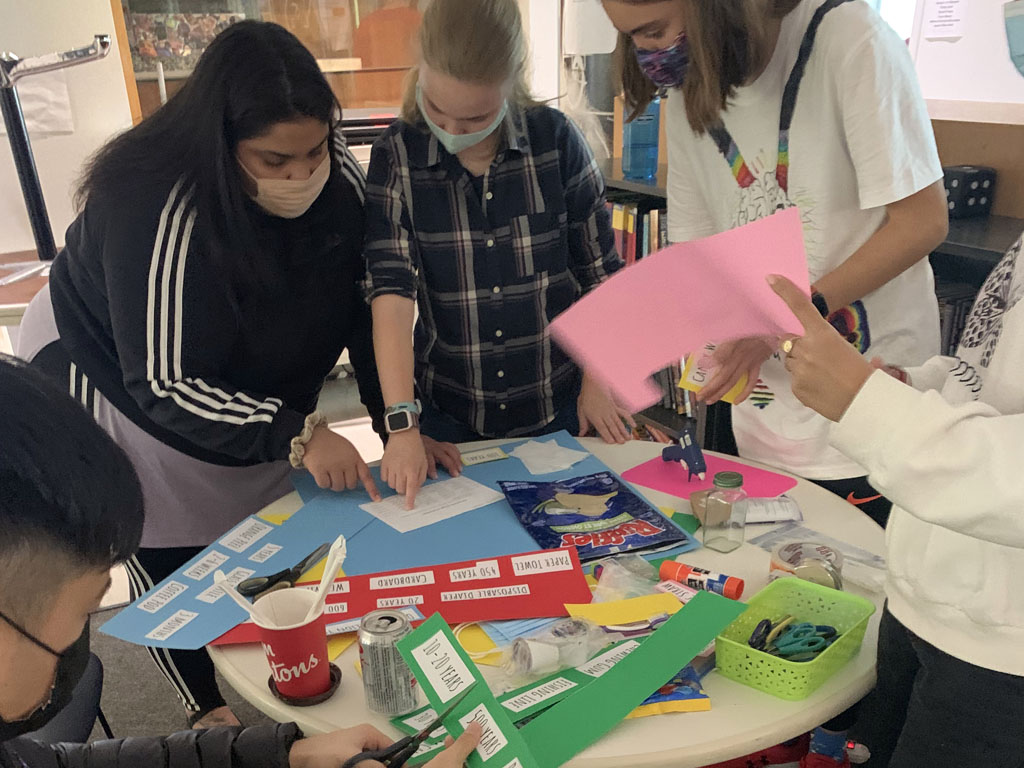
(671, 303)
(669, 477)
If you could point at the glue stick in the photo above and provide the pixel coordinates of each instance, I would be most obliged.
(699, 578)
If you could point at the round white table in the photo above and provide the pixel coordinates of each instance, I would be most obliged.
(741, 719)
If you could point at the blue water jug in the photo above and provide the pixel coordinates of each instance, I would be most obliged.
(640, 144)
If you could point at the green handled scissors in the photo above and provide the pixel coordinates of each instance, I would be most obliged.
(802, 642)
(397, 754)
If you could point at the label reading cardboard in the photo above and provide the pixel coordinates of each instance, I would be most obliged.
(206, 566)
(398, 602)
(264, 553)
(545, 562)
(486, 593)
(172, 625)
(446, 673)
(245, 535)
(492, 740)
(418, 579)
(601, 664)
(162, 596)
(539, 694)
(485, 569)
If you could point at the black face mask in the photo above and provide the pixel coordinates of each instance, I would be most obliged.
(70, 668)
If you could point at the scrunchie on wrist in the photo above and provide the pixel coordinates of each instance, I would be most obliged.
(298, 444)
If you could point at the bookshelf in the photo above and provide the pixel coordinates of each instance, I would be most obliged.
(961, 264)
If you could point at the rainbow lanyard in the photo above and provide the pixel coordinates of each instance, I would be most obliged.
(724, 140)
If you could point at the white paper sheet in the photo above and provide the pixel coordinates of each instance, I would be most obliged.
(46, 104)
(944, 19)
(434, 503)
(782, 509)
(543, 458)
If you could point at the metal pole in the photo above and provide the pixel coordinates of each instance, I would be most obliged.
(12, 68)
(24, 162)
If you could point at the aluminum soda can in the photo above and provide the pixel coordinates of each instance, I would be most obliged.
(387, 680)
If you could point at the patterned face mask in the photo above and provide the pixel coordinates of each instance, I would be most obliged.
(666, 67)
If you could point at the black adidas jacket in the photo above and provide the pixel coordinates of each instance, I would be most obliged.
(264, 746)
(223, 373)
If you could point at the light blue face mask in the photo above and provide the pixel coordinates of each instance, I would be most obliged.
(1014, 13)
(457, 142)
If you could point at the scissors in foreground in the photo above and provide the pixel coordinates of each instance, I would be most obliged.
(257, 585)
(396, 755)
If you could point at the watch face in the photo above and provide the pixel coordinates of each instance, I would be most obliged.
(397, 422)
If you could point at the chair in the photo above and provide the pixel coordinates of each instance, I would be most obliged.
(75, 722)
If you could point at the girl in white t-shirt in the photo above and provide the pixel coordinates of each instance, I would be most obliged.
(776, 103)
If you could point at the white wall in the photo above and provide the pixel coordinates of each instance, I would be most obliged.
(971, 78)
(899, 14)
(99, 105)
(544, 31)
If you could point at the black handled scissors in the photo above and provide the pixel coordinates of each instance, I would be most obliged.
(396, 755)
(257, 585)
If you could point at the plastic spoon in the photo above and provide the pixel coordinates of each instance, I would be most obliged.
(220, 578)
(335, 559)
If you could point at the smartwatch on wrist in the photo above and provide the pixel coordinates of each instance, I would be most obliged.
(401, 417)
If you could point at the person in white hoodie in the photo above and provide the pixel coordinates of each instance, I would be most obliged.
(949, 451)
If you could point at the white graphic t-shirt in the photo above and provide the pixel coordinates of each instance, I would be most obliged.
(860, 139)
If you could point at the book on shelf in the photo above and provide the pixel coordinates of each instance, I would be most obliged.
(955, 302)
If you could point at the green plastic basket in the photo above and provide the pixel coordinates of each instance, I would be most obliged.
(793, 680)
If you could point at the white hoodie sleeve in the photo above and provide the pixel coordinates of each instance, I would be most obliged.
(959, 467)
(931, 374)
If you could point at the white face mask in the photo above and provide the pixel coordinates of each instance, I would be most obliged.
(290, 198)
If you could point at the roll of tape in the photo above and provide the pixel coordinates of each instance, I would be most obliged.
(818, 563)
(532, 658)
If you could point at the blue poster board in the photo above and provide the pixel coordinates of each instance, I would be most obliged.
(178, 612)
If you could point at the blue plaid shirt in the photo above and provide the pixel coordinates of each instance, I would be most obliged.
(490, 263)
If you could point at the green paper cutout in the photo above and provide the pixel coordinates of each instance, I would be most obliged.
(687, 522)
(444, 671)
(530, 699)
(428, 750)
(585, 716)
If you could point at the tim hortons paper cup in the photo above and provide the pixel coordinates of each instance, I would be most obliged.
(296, 649)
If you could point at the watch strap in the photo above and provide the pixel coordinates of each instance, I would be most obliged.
(409, 407)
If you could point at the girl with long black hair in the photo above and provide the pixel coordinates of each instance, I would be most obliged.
(206, 290)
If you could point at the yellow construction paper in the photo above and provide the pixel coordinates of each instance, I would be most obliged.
(625, 611)
(694, 377)
(474, 640)
(338, 644)
(275, 518)
(664, 707)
